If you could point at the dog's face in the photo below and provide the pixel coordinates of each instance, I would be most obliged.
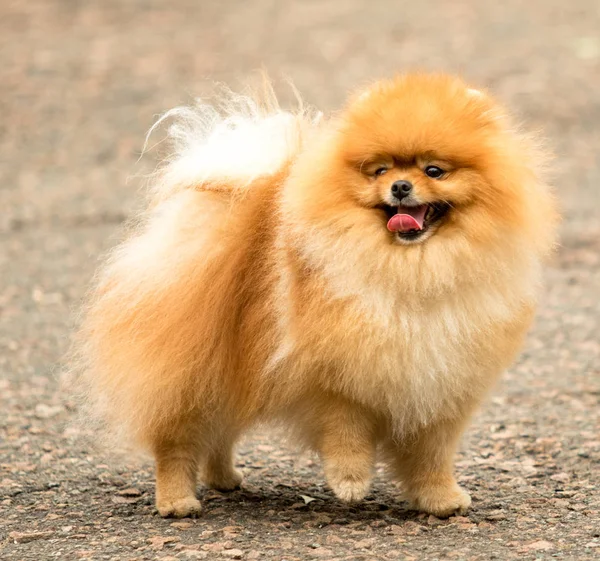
(429, 156)
(421, 183)
(409, 193)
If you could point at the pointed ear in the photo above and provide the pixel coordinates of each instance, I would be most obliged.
(474, 93)
(483, 100)
(359, 97)
(364, 95)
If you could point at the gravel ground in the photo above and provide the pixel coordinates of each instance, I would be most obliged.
(80, 83)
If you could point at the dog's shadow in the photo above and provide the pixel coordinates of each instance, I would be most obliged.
(270, 498)
(288, 506)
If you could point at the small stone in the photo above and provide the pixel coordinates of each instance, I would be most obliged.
(541, 545)
(26, 537)
(321, 552)
(561, 477)
(459, 520)
(158, 542)
(297, 506)
(130, 492)
(125, 500)
(496, 516)
(365, 544)
(233, 553)
(216, 547)
(182, 525)
(412, 528)
(182, 546)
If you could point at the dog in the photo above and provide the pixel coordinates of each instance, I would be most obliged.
(362, 279)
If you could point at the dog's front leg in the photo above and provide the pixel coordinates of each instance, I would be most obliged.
(423, 462)
(347, 447)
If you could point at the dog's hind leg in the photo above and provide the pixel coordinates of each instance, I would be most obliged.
(217, 468)
(176, 476)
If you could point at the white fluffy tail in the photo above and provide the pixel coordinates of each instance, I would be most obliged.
(232, 141)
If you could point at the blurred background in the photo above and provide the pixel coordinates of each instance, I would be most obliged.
(81, 81)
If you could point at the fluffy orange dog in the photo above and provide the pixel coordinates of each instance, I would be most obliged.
(362, 279)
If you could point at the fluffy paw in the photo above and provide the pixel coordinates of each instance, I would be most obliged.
(350, 489)
(188, 507)
(224, 481)
(442, 501)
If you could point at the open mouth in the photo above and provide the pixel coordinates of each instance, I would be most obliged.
(411, 222)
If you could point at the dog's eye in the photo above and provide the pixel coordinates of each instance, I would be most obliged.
(434, 172)
(380, 171)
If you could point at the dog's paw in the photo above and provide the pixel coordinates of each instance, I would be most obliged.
(442, 501)
(350, 489)
(224, 482)
(188, 507)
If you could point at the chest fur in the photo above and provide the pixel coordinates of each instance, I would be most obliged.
(408, 359)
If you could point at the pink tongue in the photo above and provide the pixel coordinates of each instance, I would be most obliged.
(407, 219)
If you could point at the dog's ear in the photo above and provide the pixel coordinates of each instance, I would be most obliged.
(363, 95)
(486, 104)
(365, 92)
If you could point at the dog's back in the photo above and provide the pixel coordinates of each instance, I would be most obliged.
(163, 323)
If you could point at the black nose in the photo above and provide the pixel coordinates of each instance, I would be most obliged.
(401, 189)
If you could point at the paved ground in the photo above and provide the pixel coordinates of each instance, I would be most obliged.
(80, 82)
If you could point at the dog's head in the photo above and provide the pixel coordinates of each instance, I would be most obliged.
(426, 164)
(429, 156)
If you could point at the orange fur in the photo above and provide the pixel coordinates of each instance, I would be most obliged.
(279, 295)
